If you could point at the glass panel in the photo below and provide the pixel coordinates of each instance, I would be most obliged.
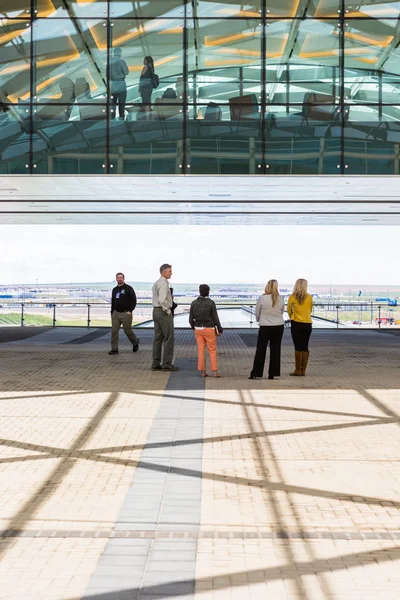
(223, 87)
(227, 8)
(70, 54)
(374, 9)
(372, 72)
(214, 85)
(151, 140)
(390, 87)
(368, 43)
(72, 8)
(148, 141)
(12, 9)
(35, 314)
(210, 112)
(372, 140)
(224, 140)
(145, 8)
(303, 140)
(161, 40)
(69, 139)
(302, 8)
(302, 61)
(15, 43)
(224, 66)
(14, 140)
(364, 86)
(75, 315)
(361, 85)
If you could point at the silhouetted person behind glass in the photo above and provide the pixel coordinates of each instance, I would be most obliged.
(146, 83)
(118, 73)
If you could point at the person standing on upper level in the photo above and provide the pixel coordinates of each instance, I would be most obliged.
(163, 343)
(147, 83)
(299, 308)
(118, 73)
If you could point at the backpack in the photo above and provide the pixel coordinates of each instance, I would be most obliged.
(155, 80)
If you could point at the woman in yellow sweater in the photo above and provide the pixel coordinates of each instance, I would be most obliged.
(299, 309)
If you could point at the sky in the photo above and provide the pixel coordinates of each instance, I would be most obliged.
(212, 254)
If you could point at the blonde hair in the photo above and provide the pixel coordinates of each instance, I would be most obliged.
(272, 289)
(300, 290)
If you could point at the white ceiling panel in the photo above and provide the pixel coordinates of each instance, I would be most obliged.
(321, 200)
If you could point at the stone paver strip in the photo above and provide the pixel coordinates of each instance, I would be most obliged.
(161, 499)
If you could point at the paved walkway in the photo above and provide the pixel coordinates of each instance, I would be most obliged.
(120, 483)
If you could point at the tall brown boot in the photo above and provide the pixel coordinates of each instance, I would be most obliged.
(298, 358)
(304, 362)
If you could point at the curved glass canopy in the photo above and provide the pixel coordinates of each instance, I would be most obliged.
(262, 87)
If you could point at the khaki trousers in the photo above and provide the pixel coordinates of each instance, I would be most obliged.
(118, 319)
(163, 343)
(206, 337)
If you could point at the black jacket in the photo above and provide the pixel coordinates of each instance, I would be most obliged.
(203, 313)
(123, 298)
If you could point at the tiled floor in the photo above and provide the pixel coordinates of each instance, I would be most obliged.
(121, 483)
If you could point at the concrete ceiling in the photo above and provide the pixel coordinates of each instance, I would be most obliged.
(196, 200)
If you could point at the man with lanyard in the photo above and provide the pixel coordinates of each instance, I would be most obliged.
(163, 344)
(123, 303)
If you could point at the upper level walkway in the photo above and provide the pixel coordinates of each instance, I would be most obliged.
(120, 483)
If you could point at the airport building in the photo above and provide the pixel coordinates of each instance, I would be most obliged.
(125, 479)
(291, 104)
(268, 87)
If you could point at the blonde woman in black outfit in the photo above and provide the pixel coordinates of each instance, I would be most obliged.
(269, 315)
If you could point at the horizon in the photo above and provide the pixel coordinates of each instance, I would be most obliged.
(191, 283)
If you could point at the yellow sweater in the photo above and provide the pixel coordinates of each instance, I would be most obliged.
(300, 312)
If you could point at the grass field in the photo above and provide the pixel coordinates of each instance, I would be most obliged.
(15, 319)
(37, 320)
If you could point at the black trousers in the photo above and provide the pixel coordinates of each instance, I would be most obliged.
(272, 334)
(301, 333)
(118, 96)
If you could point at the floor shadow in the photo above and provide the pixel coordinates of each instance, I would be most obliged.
(242, 579)
(380, 405)
(15, 334)
(270, 500)
(39, 396)
(259, 483)
(33, 503)
(140, 392)
(57, 452)
(263, 405)
(100, 455)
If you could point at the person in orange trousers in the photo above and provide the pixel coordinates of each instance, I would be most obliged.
(203, 318)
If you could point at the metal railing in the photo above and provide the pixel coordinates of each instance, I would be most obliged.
(97, 314)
